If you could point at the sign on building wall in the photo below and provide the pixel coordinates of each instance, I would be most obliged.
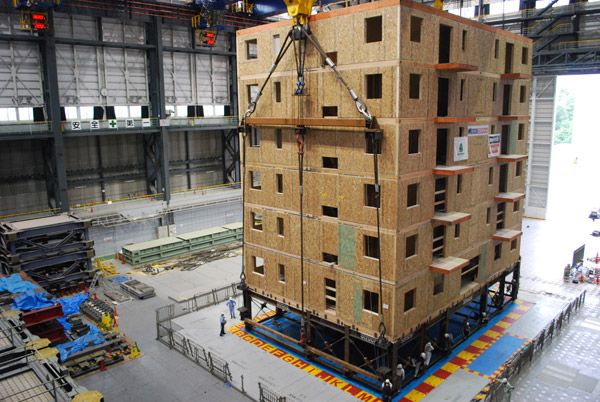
(76, 125)
(94, 124)
(112, 124)
(145, 122)
(478, 130)
(129, 123)
(461, 149)
(493, 145)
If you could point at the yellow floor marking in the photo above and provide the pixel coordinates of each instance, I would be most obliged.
(434, 381)
(513, 315)
(493, 334)
(415, 395)
(450, 367)
(480, 344)
(465, 355)
(503, 324)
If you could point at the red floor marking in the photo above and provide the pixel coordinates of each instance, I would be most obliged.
(487, 339)
(509, 320)
(424, 388)
(472, 349)
(458, 361)
(443, 374)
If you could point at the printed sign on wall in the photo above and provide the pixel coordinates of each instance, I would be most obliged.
(461, 149)
(478, 130)
(493, 145)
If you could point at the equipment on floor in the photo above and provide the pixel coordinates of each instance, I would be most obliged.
(138, 289)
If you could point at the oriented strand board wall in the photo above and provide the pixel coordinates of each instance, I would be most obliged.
(396, 57)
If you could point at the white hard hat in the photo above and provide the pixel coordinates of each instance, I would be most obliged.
(399, 366)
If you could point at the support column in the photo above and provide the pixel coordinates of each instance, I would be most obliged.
(54, 149)
(157, 144)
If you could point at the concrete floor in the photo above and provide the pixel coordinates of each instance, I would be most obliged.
(568, 370)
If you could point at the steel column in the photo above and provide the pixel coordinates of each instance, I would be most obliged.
(56, 173)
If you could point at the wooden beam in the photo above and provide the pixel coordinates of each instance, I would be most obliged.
(267, 329)
(324, 122)
(342, 363)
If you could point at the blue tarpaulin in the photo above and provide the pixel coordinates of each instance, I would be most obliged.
(32, 301)
(94, 337)
(70, 305)
(15, 284)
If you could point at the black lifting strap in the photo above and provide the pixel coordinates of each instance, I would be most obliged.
(243, 130)
(375, 137)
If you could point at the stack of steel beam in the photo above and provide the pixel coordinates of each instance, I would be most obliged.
(55, 251)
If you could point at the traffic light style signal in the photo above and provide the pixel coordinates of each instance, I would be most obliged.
(207, 38)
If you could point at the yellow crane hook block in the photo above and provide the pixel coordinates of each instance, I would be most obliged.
(299, 10)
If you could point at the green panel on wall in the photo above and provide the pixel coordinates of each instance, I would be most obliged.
(346, 246)
(512, 146)
(358, 302)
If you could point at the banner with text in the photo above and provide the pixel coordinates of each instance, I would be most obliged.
(493, 145)
(478, 130)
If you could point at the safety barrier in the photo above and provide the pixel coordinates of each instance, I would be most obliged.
(500, 389)
(268, 395)
(167, 333)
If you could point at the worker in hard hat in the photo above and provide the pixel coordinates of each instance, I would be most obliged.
(231, 304)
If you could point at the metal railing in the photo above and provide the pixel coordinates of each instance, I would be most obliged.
(579, 44)
(29, 127)
(268, 395)
(167, 332)
(499, 390)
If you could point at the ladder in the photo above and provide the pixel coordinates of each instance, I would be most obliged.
(94, 282)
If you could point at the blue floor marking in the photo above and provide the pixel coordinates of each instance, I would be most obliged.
(500, 351)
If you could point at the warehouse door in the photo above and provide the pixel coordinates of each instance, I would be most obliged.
(444, 48)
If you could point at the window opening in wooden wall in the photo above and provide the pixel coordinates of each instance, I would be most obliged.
(409, 299)
(255, 180)
(503, 179)
(413, 141)
(444, 44)
(505, 139)
(332, 56)
(252, 91)
(491, 176)
(442, 103)
(523, 94)
(259, 265)
(513, 244)
(439, 197)
(257, 220)
(506, 100)
(488, 216)
(438, 284)
(330, 295)
(500, 216)
(412, 195)
(371, 199)
(277, 91)
(281, 272)
(414, 86)
(411, 245)
(494, 90)
(464, 40)
(470, 273)
(251, 49)
(516, 206)
(373, 83)
(438, 242)
(255, 137)
(461, 131)
(457, 231)
(462, 89)
(415, 28)
(330, 258)
(508, 61)
(518, 168)
(276, 45)
(373, 29)
(371, 146)
(279, 183)
(371, 247)
(280, 227)
(441, 146)
(278, 138)
(496, 48)
(498, 252)
(521, 131)
(329, 211)
(371, 301)
(330, 162)
(330, 111)
(525, 55)
(459, 184)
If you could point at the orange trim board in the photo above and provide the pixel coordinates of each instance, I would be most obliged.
(303, 365)
(469, 354)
